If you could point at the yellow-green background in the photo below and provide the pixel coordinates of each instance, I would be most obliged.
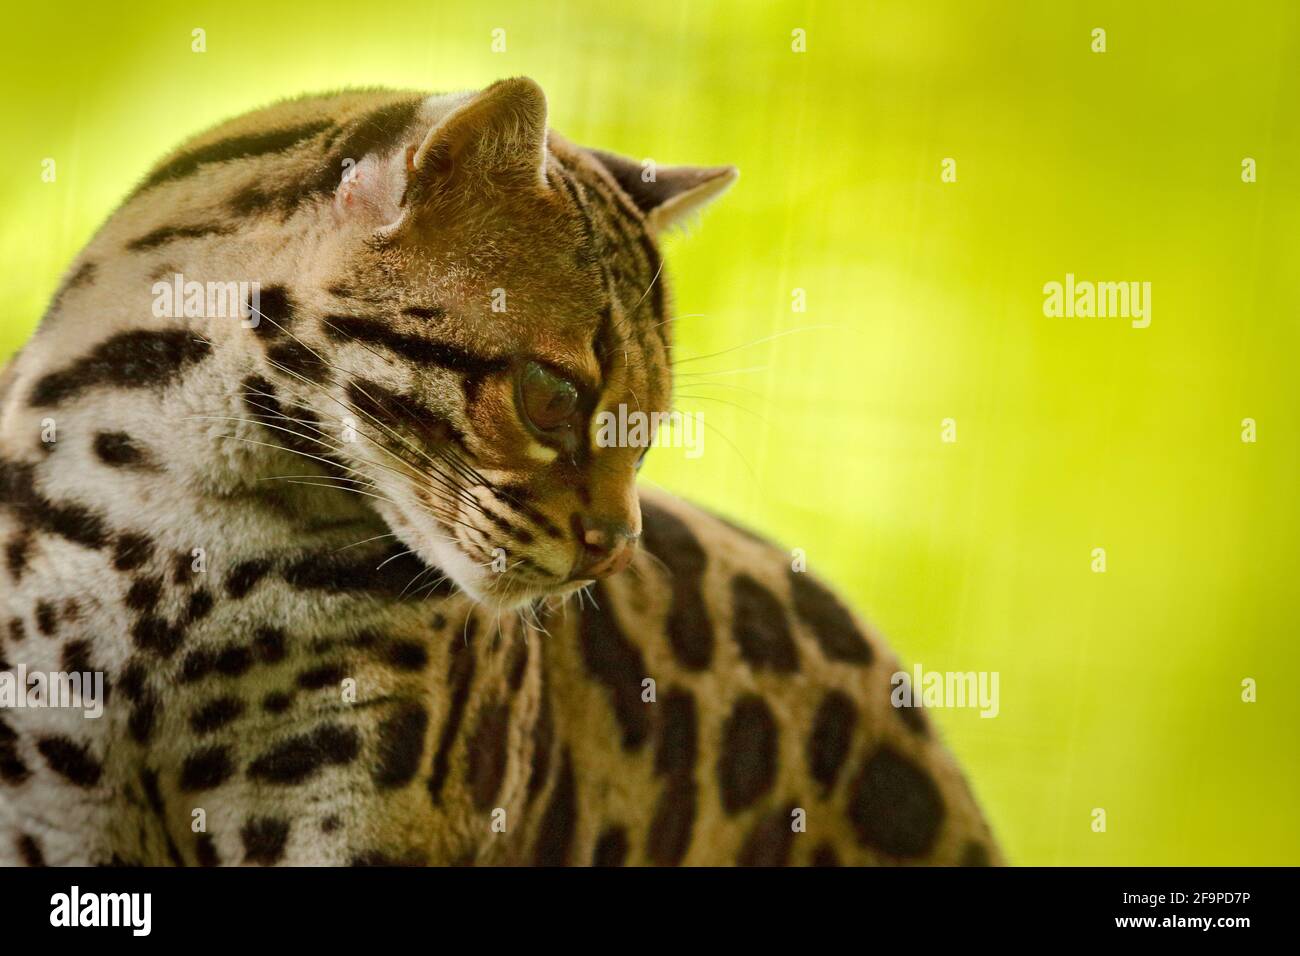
(1119, 690)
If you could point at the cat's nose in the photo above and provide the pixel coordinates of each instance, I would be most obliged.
(606, 548)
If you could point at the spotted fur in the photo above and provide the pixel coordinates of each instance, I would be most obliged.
(276, 541)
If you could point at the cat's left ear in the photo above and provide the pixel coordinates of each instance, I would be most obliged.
(667, 195)
(490, 142)
(496, 139)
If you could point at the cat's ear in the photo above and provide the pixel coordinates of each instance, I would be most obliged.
(496, 138)
(492, 141)
(667, 195)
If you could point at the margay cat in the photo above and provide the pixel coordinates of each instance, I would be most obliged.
(332, 667)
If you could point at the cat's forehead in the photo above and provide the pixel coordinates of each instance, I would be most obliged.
(512, 276)
(541, 268)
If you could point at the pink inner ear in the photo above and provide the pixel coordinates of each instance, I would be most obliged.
(370, 191)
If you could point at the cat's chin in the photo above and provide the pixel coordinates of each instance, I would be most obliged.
(486, 589)
(482, 585)
(482, 589)
(437, 550)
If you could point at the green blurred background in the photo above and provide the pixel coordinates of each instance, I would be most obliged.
(1119, 690)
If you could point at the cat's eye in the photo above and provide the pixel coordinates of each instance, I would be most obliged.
(549, 401)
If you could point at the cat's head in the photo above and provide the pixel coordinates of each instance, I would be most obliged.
(516, 292)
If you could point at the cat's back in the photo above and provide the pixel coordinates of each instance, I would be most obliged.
(754, 705)
(245, 193)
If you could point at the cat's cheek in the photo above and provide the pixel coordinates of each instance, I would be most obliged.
(433, 545)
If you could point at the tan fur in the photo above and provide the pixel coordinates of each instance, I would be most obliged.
(397, 442)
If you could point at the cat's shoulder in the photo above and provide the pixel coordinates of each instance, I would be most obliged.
(761, 578)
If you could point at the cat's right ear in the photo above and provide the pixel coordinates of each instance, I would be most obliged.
(668, 195)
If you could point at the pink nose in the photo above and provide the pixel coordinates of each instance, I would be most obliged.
(606, 550)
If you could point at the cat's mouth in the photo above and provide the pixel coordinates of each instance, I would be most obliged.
(505, 592)
(474, 558)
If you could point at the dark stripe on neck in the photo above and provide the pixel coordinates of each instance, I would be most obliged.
(378, 132)
(168, 234)
(234, 147)
(139, 359)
